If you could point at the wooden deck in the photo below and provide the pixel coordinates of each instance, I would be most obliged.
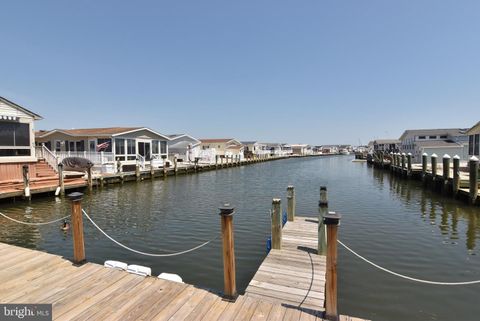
(295, 275)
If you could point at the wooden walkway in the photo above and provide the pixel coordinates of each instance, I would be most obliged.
(288, 286)
(295, 275)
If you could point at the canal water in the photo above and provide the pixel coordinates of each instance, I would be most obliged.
(393, 222)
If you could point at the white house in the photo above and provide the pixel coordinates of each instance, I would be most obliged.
(185, 147)
(436, 141)
(386, 145)
(107, 146)
(17, 139)
(301, 149)
(474, 140)
(254, 149)
(286, 149)
(222, 147)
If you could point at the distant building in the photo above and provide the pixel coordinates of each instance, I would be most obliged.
(301, 149)
(222, 147)
(286, 149)
(254, 149)
(386, 145)
(438, 141)
(474, 140)
(184, 147)
(330, 150)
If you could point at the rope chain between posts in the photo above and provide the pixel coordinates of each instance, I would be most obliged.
(34, 223)
(404, 276)
(145, 253)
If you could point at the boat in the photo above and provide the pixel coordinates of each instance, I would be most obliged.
(344, 151)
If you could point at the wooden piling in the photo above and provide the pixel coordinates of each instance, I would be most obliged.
(152, 169)
(216, 161)
(61, 182)
(409, 164)
(424, 166)
(77, 228)
(175, 164)
(404, 167)
(331, 220)
(322, 231)
(229, 278)
(164, 158)
(276, 224)
(473, 165)
(26, 181)
(434, 166)
(445, 171)
(456, 174)
(89, 177)
(137, 172)
(291, 203)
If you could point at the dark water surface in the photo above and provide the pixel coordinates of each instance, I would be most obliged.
(393, 222)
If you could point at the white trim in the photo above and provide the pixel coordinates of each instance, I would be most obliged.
(139, 129)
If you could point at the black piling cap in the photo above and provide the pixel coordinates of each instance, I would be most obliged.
(75, 196)
(332, 218)
(226, 209)
(323, 188)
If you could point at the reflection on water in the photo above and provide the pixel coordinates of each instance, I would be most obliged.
(390, 220)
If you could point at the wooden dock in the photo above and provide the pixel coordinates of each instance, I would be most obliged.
(288, 286)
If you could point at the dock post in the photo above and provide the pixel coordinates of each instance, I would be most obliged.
(446, 171)
(322, 231)
(61, 182)
(409, 164)
(291, 203)
(137, 171)
(77, 227)
(164, 158)
(434, 166)
(276, 224)
(473, 164)
(404, 167)
(229, 279)
(152, 170)
(26, 181)
(456, 174)
(90, 179)
(119, 165)
(331, 220)
(424, 166)
(221, 161)
(216, 161)
(392, 161)
(175, 164)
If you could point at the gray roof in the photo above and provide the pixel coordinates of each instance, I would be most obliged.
(249, 143)
(386, 141)
(436, 132)
(438, 143)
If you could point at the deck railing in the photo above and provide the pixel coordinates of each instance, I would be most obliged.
(45, 153)
(97, 158)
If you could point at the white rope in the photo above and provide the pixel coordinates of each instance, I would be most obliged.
(144, 253)
(404, 276)
(33, 223)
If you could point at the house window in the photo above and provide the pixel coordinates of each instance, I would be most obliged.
(80, 146)
(154, 146)
(58, 146)
(443, 137)
(432, 137)
(477, 145)
(421, 137)
(16, 136)
(131, 148)
(119, 146)
(163, 147)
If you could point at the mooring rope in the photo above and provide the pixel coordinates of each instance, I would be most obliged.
(404, 276)
(34, 223)
(145, 253)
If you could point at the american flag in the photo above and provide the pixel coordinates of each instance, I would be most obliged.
(102, 146)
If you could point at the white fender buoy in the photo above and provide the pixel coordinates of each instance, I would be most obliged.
(139, 270)
(170, 277)
(116, 265)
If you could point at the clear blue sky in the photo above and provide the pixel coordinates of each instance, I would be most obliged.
(311, 71)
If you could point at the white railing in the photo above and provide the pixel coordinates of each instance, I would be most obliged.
(45, 153)
(141, 161)
(97, 158)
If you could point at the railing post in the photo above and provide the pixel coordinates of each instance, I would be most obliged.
(473, 164)
(291, 203)
(276, 224)
(409, 164)
(322, 210)
(26, 181)
(456, 174)
(77, 227)
(331, 220)
(434, 165)
(424, 166)
(61, 182)
(229, 279)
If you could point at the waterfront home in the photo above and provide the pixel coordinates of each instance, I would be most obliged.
(222, 147)
(439, 147)
(184, 147)
(413, 140)
(330, 150)
(301, 149)
(107, 146)
(474, 140)
(286, 149)
(254, 149)
(275, 149)
(17, 140)
(386, 145)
